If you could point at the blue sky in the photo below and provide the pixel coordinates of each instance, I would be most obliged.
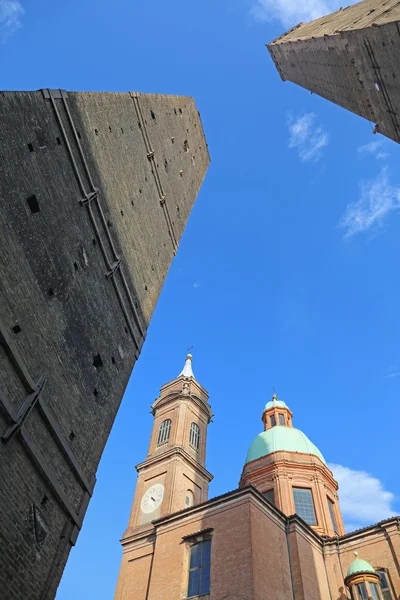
(287, 273)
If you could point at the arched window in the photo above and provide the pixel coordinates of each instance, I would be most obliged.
(189, 500)
(194, 438)
(163, 433)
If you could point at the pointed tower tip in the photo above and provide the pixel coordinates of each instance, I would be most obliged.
(187, 369)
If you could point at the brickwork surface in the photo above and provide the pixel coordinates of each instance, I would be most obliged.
(351, 58)
(85, 245)
(257, 553)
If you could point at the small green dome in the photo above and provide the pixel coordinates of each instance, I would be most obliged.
(281, 438)
(275, 403)
(359, 566)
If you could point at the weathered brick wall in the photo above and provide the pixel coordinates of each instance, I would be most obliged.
(351, 58)
(77, 292)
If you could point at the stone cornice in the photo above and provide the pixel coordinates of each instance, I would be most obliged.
(139, 534)
(354, 536)
(172, 452)
(179, 395)
(278, 462)
(218, 500)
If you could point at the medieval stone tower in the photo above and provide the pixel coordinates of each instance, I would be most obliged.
(95, 192)
(349, 57)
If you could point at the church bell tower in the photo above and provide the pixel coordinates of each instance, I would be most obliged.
(174, 476)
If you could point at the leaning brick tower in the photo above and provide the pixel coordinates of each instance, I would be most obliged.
(95, 193)
(351, 58)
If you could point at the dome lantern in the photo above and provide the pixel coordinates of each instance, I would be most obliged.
(292, 473)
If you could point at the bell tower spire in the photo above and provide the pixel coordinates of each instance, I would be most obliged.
(174, 476)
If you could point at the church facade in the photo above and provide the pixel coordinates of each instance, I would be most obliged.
(279, 536)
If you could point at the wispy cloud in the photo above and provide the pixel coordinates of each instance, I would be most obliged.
(378, 198)
(11, 12)
(307, 137)
(292, 12)
(363, 498)
(375, 148)
(196, 284)
(392, 372)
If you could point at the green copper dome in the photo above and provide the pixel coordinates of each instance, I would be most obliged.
(275, 403)
(359, 566)
(281, 438)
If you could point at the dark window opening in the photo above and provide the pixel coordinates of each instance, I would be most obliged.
(333, 516)
(97, 362)
(163, 432)
(58, 141)
(33, 204)
(304, 505)
(78, 134)
(16, 328)
(385, 589)
(76, 267)
(44, 500)
(362, 591)
(281, 419)
(199, 569)
(273, 420)
(270, 495)
(95, 392)
(113, 360)
(30, 146)
(50, 292)
(153, 116)
(71, 436)
(194, 437)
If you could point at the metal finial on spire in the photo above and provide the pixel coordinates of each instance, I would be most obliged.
(187, 369)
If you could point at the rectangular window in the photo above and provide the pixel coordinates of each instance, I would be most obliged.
(199, 569)
(333, 516)
(304, 505)
(373, 588)
(273, 420)
(385, 586)
(362, 591)
(281, 419)
(270, 496)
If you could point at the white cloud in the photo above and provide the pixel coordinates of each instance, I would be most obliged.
(392, 372)
(363, 499)
(196, 284)
(11, 12)
(373, 148)
(292, 12)
(378, 198)
(307, 138)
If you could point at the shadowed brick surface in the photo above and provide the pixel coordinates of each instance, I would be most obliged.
(89, 224)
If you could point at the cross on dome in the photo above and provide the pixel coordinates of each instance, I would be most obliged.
(187, 369)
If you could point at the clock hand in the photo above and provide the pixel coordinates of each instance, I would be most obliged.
(152, 498)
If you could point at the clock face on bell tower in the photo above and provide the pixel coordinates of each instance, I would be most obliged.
(152, 498)
(174, 474)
